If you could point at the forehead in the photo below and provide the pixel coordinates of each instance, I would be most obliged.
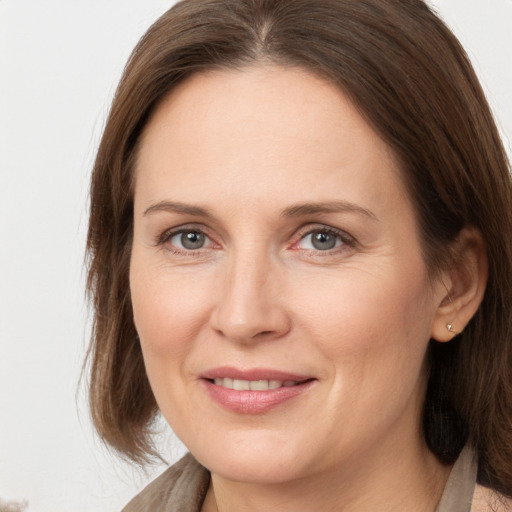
(268, 128)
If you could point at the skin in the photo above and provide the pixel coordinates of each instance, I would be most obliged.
(247, 146)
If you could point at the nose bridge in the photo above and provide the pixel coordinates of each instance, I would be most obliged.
(247, 305)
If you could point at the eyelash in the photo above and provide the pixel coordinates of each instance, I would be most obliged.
(169, 234)
(347, 241)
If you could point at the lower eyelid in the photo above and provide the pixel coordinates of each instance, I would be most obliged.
(164, 241)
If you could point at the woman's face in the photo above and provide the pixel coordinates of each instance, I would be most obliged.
(278, 285)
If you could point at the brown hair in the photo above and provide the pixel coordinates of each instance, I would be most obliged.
(410, 78)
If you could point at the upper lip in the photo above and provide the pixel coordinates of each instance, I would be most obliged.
(253, 374)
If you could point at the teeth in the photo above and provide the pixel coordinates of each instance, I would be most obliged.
(253, 385)
(259, 385)
(241, 385)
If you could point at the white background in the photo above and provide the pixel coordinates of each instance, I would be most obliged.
(59, 65)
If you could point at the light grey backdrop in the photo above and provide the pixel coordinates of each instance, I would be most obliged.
(59, 64)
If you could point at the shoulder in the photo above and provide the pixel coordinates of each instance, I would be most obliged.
(181, 488)
(487, 500)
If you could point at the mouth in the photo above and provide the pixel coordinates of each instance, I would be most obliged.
(254, 391)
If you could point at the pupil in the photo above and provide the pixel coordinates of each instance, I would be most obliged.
(192, 240)
(323, 241)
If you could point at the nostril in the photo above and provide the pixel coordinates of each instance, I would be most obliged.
(264, 333)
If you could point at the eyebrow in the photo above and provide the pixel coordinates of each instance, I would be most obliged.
(168, 206)
(298, 210)
(304, 209)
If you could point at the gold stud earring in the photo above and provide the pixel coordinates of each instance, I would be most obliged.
(451, 329)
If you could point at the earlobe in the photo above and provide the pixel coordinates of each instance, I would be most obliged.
(464, 286)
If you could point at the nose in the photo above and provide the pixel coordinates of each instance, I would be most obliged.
(250, 302)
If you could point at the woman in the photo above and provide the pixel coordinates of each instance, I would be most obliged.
(300, 253)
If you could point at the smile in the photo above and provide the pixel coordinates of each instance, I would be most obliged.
(254, 391)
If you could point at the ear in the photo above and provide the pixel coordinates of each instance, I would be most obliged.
(461, 287)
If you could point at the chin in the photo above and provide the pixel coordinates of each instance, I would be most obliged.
(258, 461)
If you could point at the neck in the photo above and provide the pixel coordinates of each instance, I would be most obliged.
(403, 481)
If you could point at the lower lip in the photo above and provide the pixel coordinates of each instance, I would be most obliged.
(254, 402)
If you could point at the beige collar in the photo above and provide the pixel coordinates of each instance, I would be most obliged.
(460, 487)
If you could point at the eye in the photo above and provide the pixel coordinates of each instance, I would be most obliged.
(323, 239)
(185, 240)
(189, 240)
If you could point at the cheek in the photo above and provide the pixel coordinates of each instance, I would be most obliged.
(169, 312)
(355, 316)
